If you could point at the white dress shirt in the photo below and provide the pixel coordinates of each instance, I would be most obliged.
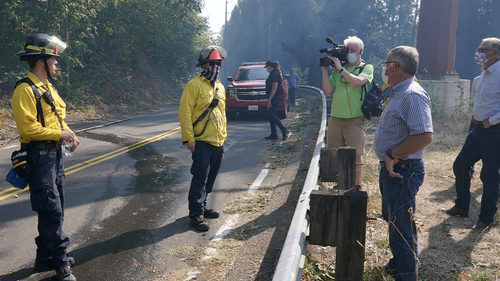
(487, 98)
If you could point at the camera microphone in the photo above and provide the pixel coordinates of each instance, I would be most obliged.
(323, 50)
(330, 40)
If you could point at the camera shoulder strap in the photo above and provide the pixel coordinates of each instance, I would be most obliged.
(363, 89)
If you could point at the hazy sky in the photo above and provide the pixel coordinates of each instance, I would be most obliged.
(214, 10)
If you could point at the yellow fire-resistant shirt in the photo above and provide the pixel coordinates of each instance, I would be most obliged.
(23, 104)
(196, 97)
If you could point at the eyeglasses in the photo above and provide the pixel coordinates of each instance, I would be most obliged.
(387, 63)
(212, 63)
(482, 50)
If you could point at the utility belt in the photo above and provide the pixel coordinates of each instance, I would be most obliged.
(41, 145)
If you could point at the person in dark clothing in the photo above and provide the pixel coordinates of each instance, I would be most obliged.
(42, 132)
(204, 99)
(275, 96)
(293, 85)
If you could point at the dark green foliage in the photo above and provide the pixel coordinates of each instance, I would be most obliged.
(132, 51)
(120, 52)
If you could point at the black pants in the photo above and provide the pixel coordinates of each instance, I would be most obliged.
(206, 163)
(47, 199)
(273, 118)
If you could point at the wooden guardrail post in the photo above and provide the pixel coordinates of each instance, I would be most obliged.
(328, 166)
(338, 218)
(346, 167)
(351, 231)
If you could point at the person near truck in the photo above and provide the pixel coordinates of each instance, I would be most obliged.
(293, 85)
(346, 123)
(202, 117)
(42, 132)
(275, 96)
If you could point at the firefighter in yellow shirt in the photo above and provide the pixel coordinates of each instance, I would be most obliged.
(202, 117)
(39, 112)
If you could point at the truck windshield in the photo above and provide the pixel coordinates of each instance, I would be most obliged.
(252, 74)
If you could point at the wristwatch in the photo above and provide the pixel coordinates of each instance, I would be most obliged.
(389, 154)
(340, 71)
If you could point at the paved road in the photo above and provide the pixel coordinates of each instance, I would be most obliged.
(126, 189)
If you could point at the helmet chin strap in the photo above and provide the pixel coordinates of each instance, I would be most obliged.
(46, 66)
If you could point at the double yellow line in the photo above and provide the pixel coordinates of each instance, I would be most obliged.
(85, 164)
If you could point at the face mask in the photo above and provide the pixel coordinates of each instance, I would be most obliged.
(480, 58)
(385, 78)
(352, 57)
(211, 73)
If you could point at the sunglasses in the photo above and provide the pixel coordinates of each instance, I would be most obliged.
(212, 63)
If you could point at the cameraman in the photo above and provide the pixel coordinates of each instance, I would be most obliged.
(346, 123)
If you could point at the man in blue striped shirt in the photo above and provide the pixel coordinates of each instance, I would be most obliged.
(404, 131)
(483, 142)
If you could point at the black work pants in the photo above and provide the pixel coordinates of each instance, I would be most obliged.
(274, 120)
(47, 199)
(206, 163)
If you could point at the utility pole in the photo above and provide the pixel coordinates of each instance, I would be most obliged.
(224, 33)
(225, 26)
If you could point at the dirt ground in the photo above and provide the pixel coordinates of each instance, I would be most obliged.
(448, 248)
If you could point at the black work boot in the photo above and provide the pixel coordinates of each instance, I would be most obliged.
(199, 223)
(47, 263)
(271, 137)
(65, 274)
(210, 214)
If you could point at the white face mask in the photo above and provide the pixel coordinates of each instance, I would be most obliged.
(352, 57)
(385, 78)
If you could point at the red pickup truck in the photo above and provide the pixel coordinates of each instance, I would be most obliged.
(247, 91)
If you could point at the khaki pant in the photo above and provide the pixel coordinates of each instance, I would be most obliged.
(346, 132)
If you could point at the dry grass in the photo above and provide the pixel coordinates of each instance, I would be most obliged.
(449, 250)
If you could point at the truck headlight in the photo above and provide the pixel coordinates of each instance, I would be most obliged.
(231, 93)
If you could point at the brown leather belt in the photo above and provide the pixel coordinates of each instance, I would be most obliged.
(401, 162)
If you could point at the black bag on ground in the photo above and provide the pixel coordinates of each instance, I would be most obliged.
(374, 99)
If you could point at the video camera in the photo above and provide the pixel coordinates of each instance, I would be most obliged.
(338, 51)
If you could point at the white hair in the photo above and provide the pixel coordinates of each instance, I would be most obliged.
(356, 41)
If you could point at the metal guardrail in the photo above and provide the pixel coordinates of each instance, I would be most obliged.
(291, 261)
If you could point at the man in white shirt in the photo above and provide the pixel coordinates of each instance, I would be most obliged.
(483, 142)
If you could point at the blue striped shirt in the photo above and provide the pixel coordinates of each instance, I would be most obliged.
(407, 113)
